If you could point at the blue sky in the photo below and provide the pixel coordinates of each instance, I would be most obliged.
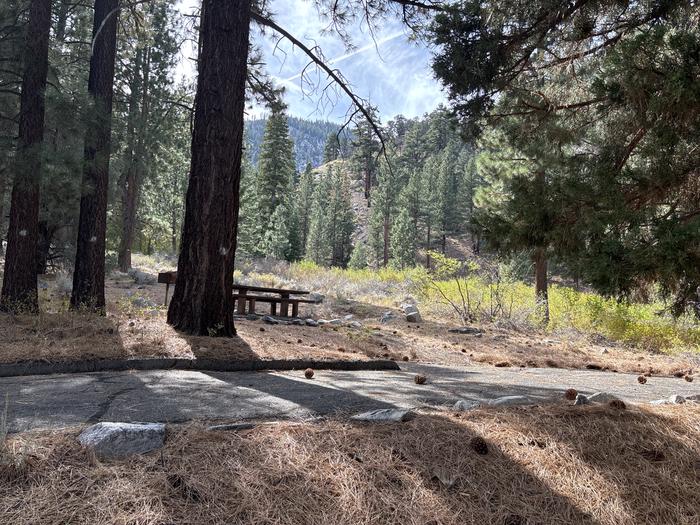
(390, 71)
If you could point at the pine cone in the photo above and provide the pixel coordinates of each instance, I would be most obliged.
(420, 380)
(689, 379)
(479, 445)
(617, 404)
(309, 373)
(570, 394)
(642, 380)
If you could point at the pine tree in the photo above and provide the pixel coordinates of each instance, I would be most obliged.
(19, 287)
(341, 221)
(89, 274)
(358, 257)
(275, 181)
(276, 242)
(318, 249)
(365, 149)
(331, 150)
(403, 241)
(203, 299)
(304, 202)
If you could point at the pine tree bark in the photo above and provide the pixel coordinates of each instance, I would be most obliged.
(19, 290)
(89, 274)
(541, 282)
(202, 302)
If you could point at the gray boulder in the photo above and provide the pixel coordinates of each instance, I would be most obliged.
(387, 317)
(311, 322)
(411, 312)
(511, 401)
(355, 324)
(384, 415)
(118, 440)
(142, 302)
(335, 322)
(464, 405)
(602, 397)
(316, 297)
(270, 320)
(673, 400)
(581, 399)
(142, 277)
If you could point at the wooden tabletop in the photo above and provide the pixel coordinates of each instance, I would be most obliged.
(251, 288)
(169, 278)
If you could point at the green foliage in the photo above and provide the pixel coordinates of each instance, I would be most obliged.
(403, 242)
(598, 166)
(331, 221)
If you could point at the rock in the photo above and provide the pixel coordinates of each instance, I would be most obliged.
(316, 297)
(142, 277)
(470, 330)
(335, 322)
(348, 317)
(311, 322)
(270, 320)
(604, 351)
(673, 400)
(581, 400)
(233, 426)
(355, 324)
(411, 312)
(142, 302)
(322, 322)
(387, 317)
(511, 401)
(464, 405)
(694, 397)
(414, 317)
(384, 415)
(118, 440)
(602, 397)
(298, 322)
(252, 317)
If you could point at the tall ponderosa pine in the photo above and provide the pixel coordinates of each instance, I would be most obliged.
(304, 202)
(366, 148)
(19, 287)
(403, 241)
(275, 181)
(203, 299)
(89, 274)
(153, 51)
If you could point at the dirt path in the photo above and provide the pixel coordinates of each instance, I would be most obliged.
(175, 396)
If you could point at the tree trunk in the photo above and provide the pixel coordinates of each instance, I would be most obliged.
(89, 275)
(385, 252)
(427, 247)
(19, 290)
(202, 302)
(541, 294)
(130, 182)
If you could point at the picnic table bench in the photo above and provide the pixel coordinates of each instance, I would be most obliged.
(246, 297)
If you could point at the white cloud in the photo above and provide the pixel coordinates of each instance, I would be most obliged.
(389, 70)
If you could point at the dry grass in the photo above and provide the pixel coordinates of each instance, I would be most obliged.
(547, 465)
(129, 331)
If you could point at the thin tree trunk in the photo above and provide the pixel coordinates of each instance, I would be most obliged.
(130, 183)
(541, 293)
(19, 291)
(89, 275)
(427, 247)
(385, 252)
(202, 302)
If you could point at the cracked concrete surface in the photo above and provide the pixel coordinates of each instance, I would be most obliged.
(39, 402)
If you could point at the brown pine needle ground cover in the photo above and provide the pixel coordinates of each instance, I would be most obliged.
(129, 331)
(545, 465)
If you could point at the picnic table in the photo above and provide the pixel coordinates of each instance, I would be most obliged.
(247, 296)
